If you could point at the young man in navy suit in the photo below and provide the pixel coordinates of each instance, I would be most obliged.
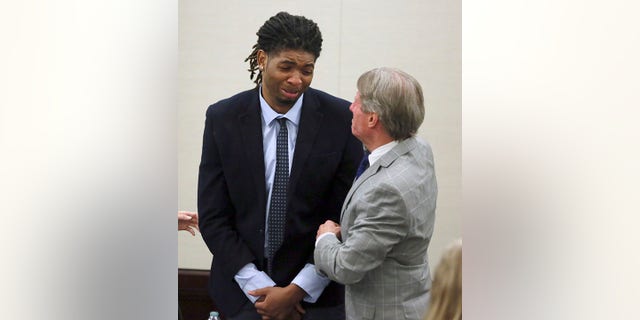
(279, 143)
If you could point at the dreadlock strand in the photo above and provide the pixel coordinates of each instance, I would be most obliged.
(253, 64)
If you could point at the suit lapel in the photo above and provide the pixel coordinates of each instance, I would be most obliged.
(356, 184)
(384, 162)
(250, 131)
(310, 122)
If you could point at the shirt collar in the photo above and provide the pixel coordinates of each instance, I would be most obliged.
(381, 150)
(268, 114)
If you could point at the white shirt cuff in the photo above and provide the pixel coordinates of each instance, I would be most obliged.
(325, 235)
(250, 278)
(311, 282)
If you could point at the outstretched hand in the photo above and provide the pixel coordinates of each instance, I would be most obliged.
(188, 221)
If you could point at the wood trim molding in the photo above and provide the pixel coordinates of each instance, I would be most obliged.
(193, 295)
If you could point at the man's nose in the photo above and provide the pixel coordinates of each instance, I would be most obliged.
(295, 79)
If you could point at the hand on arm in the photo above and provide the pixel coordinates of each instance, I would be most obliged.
(188, 221)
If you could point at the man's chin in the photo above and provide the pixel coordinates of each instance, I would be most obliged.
(288, 101)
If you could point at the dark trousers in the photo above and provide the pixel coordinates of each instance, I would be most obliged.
(248, 312)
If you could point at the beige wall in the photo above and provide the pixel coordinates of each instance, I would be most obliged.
(421, 37)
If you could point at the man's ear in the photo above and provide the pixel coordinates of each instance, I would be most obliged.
(372, 119)
(262, 59)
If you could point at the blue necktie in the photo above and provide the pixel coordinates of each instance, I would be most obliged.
(364, 164)
(278, 206)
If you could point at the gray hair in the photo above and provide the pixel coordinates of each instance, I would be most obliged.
(397, 99)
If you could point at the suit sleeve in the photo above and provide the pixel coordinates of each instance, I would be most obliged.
(381, 223)
(216, 213)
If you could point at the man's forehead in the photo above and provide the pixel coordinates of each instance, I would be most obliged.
(295, 55)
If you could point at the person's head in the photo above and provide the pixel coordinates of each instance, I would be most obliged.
(392, 98)
(284, 58)
(446, 289)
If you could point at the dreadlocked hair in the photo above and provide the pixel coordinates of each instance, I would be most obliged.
(284, 31)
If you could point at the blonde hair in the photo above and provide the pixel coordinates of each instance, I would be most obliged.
(446, 290)
(396, 97)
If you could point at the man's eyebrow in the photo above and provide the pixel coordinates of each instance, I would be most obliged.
(291, 62)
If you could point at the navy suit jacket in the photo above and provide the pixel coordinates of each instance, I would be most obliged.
(232, 194)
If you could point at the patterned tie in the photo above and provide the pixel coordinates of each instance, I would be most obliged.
(364, 164)
(277, 208)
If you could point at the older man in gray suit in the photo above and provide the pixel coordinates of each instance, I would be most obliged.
(380, 249)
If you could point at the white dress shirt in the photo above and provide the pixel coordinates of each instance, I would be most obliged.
(249, 277)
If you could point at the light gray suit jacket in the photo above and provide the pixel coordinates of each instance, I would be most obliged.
(387, 221)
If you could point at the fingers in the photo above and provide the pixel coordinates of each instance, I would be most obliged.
(188, 229)
(259, 292)
(187, 215)
(261, 310)
(295, 315)
(188, 226)
(332, 223)
(328, 226)
(300, 309)
(184, 217)
(188, 221)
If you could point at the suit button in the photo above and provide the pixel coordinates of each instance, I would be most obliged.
(261, 231)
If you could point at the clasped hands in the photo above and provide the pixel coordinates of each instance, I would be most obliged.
(283, 303)
(329, 226)
(279, 303)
